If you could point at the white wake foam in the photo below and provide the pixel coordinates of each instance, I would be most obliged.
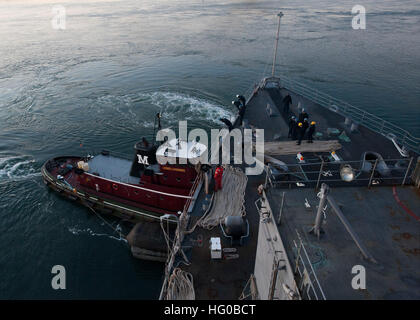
(90, 232)
(180, 106)
(17, 168)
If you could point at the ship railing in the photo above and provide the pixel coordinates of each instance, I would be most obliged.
(194, 187)
(357, 115)
(308, 283)
(313, 173)
(94, 152)
(179, 238)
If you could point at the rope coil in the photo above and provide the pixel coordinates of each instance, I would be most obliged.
(180, 286)
(230, 201)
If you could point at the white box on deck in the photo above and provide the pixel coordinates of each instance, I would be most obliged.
(215, 248)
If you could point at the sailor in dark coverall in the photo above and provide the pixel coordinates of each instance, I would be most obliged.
(311, 132)
(300, 132)
(287, 100)
(237, 104)
(292, 128)
(303, 128)
(302, 116)
(305, 125)
(241, 99)
(241, 113)
(240, 105)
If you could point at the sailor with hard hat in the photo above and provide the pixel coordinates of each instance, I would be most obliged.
(311, 131)
(300, 133)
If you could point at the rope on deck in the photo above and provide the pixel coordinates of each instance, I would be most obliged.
(230, 200)
(180, 286)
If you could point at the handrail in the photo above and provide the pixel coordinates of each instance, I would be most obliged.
(314, 285)
(179, 237)
(358, 115)
(140, 188)
(314, 172)
(197, 181)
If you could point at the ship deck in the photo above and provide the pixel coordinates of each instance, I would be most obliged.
(276, 127)
(222, 279)
(389, 233)
(384, 226)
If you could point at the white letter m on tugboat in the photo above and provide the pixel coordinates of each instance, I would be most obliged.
(142, 160)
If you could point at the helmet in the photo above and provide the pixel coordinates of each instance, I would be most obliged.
(306, 119)
(300, 124)
(293, 118)
(313, 122)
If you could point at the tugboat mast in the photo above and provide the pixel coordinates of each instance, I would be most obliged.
(157, 118)
(277, 44)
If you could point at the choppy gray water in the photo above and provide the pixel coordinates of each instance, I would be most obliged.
(99, 82)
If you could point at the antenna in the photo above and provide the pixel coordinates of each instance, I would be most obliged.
(277, 44)
(157, 119)
(159, 115)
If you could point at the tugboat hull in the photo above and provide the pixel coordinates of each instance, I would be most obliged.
(62, 175)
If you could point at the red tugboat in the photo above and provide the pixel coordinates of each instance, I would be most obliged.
(141, 188)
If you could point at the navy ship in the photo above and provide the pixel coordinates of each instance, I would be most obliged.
(335, 214)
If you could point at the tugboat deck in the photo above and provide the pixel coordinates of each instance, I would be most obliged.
(112, 168)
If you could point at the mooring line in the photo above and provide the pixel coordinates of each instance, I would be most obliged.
(123, 238)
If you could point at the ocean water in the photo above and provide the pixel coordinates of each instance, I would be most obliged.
(98, 83)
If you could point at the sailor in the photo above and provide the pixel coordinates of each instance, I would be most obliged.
(292, 127)
(218, 175)
(302, 115)
(287, 100)
(305, 125)
(241, 113)
(311, 132)
(295, 132)
(240, 105)
(300, 133)
(237, 104)
(241, 99)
